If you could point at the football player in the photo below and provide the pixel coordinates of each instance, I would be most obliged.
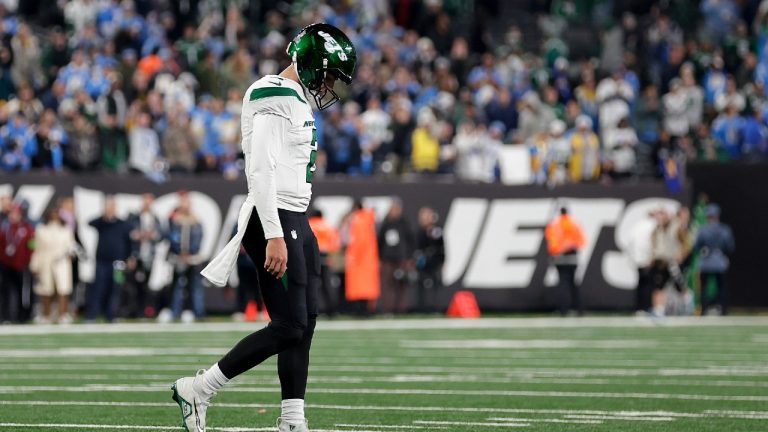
(279, 141)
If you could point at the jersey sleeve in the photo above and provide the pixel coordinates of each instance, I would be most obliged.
(269, 134)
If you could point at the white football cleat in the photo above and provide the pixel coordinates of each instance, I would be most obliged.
(193, 404)
(283, 426)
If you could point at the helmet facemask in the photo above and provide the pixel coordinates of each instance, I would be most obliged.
(323, 94)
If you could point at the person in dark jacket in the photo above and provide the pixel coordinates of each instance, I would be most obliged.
(145, 234)
(185, 234)
(396, 246)
(16, 238)
(714, 243)
(430, 255)
(112, 251)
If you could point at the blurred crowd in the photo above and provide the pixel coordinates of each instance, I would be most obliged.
(367, 267)
(442, 86)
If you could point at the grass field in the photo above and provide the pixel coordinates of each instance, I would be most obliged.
(527, 374)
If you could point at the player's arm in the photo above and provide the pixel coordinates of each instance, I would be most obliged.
(265, 144)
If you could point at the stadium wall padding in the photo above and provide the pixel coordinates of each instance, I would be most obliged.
(494, 233)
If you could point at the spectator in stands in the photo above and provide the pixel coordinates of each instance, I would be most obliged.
(376, 133)
(715, 244)
(179, 144)
(675, 103)
(727, 129)
(56, 54)
(16, 235)
(731, 96)
(755, 137)
(565, 238)
(533, 119)
(396, 245)
(425, 155)
(614, 96)
(429, 257)
(477, 151)
(720, 17)
(584, 160)
(619, 147)
(51, 265)
(340, 145)
(7, 87)
(715, 80)
(402, 130)
(112, 109)
(694, 96)
(185, 234)
(51, 138)
(25, 103)
(502, 109)
(113, 249)
(27, 66)
(550, 154)
(83, 150)
(146, 232)
(18, 144)
(144, 155)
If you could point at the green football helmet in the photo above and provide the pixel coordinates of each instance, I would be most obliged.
(317, 50)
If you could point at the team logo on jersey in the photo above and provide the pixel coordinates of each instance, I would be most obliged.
(294, 235)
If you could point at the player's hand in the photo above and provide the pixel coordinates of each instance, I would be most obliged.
(277, 257)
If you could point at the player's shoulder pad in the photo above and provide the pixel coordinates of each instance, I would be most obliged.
(272, 95)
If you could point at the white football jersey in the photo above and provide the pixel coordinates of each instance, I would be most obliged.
(280, 147)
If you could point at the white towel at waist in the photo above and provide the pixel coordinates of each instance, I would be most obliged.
(223, 264)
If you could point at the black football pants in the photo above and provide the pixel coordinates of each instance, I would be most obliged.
(290, 301)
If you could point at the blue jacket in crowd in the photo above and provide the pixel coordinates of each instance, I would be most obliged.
(715, 242)
(114, 239)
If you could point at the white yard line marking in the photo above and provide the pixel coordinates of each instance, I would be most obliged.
(373, 391)
(86, 426)
(109, 352)
(511, 371)
(616, 417)
(459, 423)
(542, 420)
(736, 414)
(408, 427)
(341, 379)
(405, 324)
(137, 427)
(472, 344)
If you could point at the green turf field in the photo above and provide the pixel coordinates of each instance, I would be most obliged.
(528, 374)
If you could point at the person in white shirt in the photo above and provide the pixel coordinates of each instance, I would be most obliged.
(279, 141)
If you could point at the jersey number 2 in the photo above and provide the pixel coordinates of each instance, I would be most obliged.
(311, 167)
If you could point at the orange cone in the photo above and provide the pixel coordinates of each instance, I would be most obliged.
(463, 305)
(251, 311)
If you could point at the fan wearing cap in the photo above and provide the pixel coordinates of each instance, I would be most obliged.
(279, 141)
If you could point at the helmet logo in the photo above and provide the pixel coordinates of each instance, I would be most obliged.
(332, 46)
